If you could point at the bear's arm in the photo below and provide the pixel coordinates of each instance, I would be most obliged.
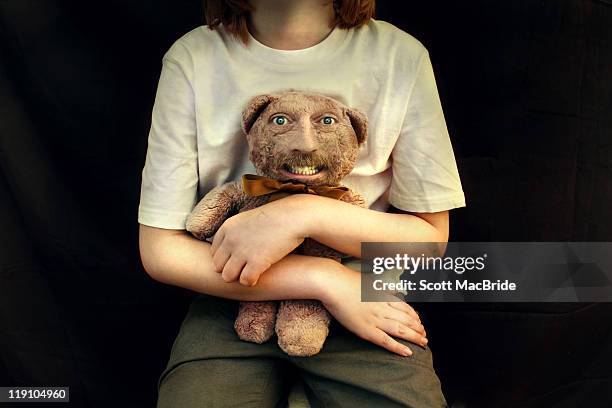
(352, 197)
(214, 208)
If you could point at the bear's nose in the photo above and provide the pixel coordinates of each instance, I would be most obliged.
(304, 139)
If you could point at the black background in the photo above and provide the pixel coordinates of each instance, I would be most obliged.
(527, 90)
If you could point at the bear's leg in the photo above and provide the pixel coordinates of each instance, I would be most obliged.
(302, 327)
(255, 321)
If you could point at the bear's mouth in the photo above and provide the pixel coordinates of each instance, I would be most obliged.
(303, 170)
(304, 174)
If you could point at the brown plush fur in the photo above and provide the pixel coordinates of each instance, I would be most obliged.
(304, 140)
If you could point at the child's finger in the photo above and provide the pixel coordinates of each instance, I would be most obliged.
(396, 329)
(405, 307)
(219, 259)
(382, 339)
(405, 319)
(232, 269)
(217, 240)
(251, 273)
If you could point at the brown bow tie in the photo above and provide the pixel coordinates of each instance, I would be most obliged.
(256, 186)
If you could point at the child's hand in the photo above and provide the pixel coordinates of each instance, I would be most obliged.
(377, 322)
(248, 243)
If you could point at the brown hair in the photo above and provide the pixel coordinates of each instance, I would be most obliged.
(233, 14)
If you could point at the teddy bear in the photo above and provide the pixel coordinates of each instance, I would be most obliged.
(299, 143)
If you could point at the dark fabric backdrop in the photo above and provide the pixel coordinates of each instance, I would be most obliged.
(527, 91)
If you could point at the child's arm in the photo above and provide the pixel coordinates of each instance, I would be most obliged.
(175, 257)
(337, 224)
(343, 227)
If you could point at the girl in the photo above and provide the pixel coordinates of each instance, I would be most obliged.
(406, 171)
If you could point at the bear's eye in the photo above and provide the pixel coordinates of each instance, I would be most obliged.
(328, 120)
(279, 120)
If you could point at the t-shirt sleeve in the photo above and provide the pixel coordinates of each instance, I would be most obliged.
(170, 174)
(425, 176)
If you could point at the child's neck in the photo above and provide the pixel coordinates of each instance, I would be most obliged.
(291, 25)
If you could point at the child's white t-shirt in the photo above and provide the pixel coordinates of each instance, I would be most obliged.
(208, 76)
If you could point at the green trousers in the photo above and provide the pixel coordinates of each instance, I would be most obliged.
(211, 367)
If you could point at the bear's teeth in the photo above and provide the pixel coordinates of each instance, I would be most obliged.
(306, 171)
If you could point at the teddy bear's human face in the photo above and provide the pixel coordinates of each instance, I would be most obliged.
(303, 137)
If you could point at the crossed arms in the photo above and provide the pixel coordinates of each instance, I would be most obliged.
(229, 267)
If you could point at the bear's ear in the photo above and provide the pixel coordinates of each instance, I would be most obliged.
(254, 108)
(359, 121)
